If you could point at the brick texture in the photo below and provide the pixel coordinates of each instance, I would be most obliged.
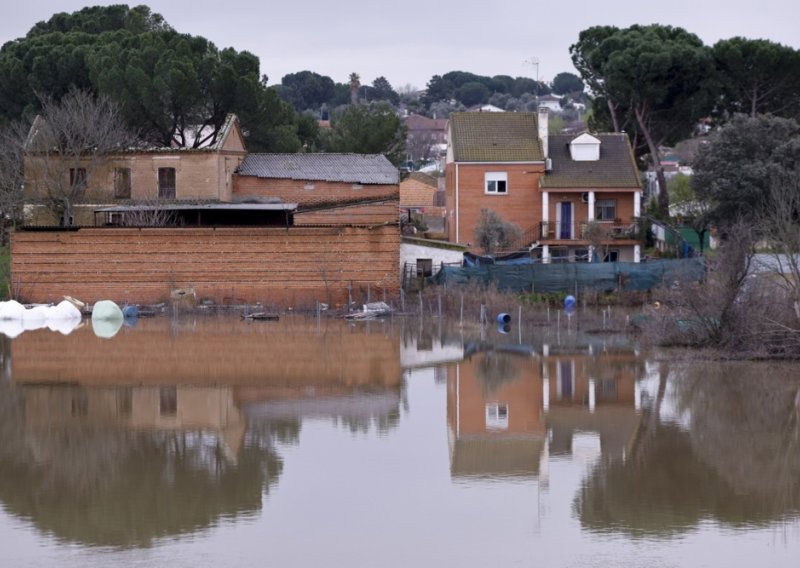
(356, 214)
(284, 267)
(308, 192)
(521, 205)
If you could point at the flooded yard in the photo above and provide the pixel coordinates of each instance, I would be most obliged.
(211, 441)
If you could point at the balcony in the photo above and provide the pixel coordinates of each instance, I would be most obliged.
(608, 230)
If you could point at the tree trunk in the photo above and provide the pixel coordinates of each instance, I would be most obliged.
(655, 161)
(612, 110)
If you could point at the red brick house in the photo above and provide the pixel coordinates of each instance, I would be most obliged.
(573, 197)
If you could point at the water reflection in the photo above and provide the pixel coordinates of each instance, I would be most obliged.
(205, 426)
(171, 427)
(717, 442)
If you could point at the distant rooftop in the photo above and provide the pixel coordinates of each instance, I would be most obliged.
(346, 168)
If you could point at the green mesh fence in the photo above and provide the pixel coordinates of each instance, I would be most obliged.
(602, 276)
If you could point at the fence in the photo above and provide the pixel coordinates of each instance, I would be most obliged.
(573, 277)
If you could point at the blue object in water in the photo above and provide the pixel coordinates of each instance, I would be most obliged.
(503, 328)
(503, 318)
(129, 311)
(570, 302)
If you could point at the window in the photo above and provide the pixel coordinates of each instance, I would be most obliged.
(122, 183)
(497, 416)
(611, 256)
(605, 209)
(496, 182)
(582, 255)
(424, 267)
(166, 183)
(77, 178)
(115, 219)
(168, 401)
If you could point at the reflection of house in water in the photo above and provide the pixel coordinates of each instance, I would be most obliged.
(110, 442)
(495, 416)
(592, 395)
(505, 401)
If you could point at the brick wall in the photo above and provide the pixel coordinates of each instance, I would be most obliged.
(373, 213)
(414, 193)
(308, 192)
(294, 354)
(286, 267)
(521, 205)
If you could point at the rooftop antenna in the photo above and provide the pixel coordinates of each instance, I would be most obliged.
(534, 61)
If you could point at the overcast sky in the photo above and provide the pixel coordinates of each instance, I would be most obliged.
(409, 41)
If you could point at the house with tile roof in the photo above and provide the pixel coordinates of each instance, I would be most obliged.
(573, 197)
(142, 173)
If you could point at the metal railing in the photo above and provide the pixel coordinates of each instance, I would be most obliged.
(561, 231)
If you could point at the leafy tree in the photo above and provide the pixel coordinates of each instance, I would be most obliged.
(564, 83)
(493, 233)
(382, 91)
(502, 84)
(308, 90)
(472, 93)
(374, 129)
(438, 89)
(355, 84)
(735, 169)
(660, 76)
(758, 76)
(167, 84)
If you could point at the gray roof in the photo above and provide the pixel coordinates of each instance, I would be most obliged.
(347, 168)
(615, 169)
(201, 207)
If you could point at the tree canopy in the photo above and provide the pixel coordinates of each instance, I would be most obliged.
(659, 79)
(758, 77)
(165, 82)
(565, 83)
(735, 170)
(374, 129)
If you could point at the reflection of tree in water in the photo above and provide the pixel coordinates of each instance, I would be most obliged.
(116, 487)
(494, 370)
(738, 463)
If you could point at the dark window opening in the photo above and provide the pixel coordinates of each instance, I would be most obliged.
(424, 267)
(605, 209)
(122, 183)
(168, 401)
(166, 183)
(77, 178)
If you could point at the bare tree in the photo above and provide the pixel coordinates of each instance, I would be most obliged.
(494, 233)
(67, 142)
(12, 140)
(420, 146)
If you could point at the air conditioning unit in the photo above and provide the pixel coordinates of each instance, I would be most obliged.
(584, 198)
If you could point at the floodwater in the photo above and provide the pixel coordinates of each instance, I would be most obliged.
(217, 442)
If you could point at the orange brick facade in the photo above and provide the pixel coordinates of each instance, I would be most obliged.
(371, 213)
(414, 193)
(284, 267)
(521, 205)
(308, 192)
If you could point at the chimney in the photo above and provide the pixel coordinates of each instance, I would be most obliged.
(543, 128)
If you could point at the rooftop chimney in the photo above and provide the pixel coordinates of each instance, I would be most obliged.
(543, 128)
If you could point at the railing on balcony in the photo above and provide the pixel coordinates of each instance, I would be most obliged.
(562, 231)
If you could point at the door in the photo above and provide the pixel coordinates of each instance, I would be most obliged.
(565, 220)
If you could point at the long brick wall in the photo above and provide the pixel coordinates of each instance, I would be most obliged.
(284, 267)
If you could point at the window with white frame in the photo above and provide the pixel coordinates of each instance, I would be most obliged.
(496, 183)
(497, 416)
(605, 209)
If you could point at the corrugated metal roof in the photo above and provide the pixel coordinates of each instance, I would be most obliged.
(616, 167)
(496, 137)
(346, 168)
(201, 207)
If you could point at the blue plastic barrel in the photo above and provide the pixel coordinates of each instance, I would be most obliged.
(503, 318)
(570, 302)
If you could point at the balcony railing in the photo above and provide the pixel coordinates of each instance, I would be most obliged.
(561, 231)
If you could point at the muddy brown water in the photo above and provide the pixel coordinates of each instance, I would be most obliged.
(212, 441)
